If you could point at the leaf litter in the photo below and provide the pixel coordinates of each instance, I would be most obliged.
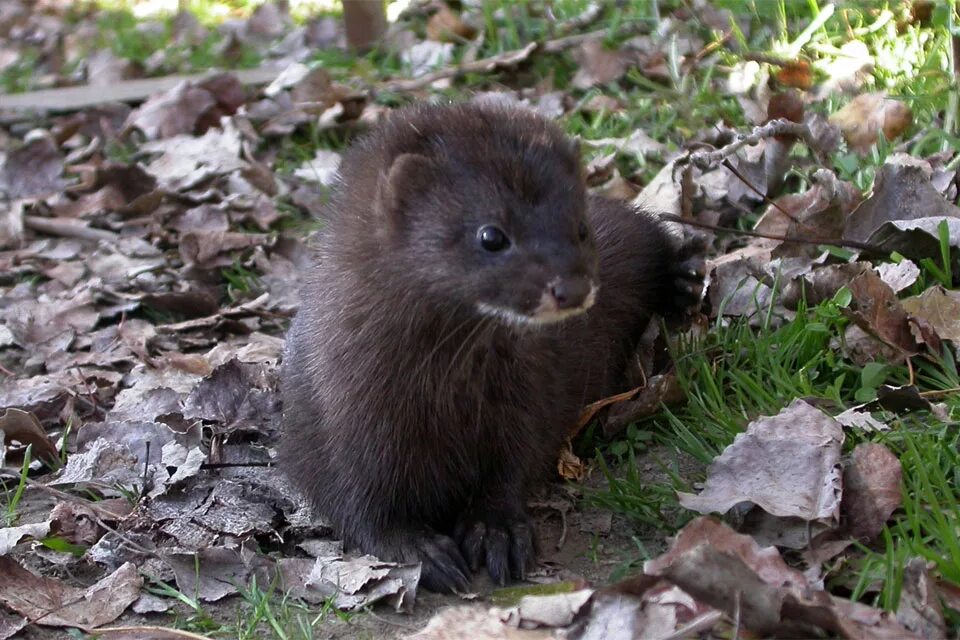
(123, 351)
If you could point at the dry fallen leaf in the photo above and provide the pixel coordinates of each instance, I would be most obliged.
(796, 74)
(24, 427)
(901, 192)
(725, 582)
(322, 169)
(898, 276)
(424, 57)
(920, 609)
(53, 603)
(817, 214)
(787, 464)
(172, 112)
(871, 490)
(476, 623)
(598, 64)
(352, 583)
(11, 536)
(867, 115)
(706, 530)
(877, 311)
(33, 171)
(210, 574)
(446, 26)
(940, 308)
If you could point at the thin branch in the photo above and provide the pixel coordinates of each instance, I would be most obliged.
(780, 127)
(505, 59)
(485, 65)
(839, 242)
(68, 228)
(247, 308)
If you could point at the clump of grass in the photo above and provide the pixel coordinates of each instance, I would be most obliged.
(242, 282)
(13, 497)
(264, 612)
(737, 372)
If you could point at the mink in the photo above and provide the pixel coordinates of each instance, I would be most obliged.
(467, 299)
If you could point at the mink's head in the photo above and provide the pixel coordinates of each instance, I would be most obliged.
(485, 208)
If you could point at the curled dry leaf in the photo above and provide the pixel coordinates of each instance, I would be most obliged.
(24, 427)
(787, 464)
(210, 574)
(857, 418)
(901, 192)
(555, 610)
(477, 623)
(919, 609)
(424, 57)
(10, 623)
(33, 171)
(871, 490)
(598, 64)
(938, 307)
(172, 112)
(766, 562)
(662, 389)
(796, 74)
(446, 26)
(11, 222)
(322, 169)
(53, 603)
(877, 311)
(867, 115)
(235, 395)
(351, 583)
(879, 318)
(11, 536)
(898, 276)
(725, 582)
(818, 214)
(918, 238)
(185, 161)
(206, 249)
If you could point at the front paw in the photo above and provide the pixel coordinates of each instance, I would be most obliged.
(503, 541)
(442, 566)
(687, 276)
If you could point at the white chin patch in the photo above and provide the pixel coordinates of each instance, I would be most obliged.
(546, 312)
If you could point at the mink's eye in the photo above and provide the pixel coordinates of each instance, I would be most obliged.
(493, 238)
(583, 231)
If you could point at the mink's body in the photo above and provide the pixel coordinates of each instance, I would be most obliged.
(432, 374)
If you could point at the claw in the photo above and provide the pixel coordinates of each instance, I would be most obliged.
(505, 543)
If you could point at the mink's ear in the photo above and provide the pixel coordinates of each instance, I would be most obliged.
(409, 176)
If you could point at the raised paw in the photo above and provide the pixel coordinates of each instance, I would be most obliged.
(504, 542)
(443, 568)
(688, 274)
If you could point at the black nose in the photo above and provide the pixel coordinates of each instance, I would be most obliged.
(570, 293)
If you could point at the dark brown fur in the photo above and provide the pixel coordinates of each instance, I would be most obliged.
(415, 423)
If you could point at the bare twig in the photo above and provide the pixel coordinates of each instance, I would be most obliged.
(68, 228)
(567, 42)
(780, 127)
(208, 321)
(587, 17)
(767, 199)
(148, 631)
(839, 242)
(505, 59)
(485, 65)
